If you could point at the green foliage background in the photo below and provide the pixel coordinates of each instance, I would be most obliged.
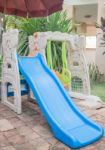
(56, 22)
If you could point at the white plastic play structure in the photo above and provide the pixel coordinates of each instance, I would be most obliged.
(10, 71)
(80, 87)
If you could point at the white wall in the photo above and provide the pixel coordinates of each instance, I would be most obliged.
(69, 9)
(80, 2)
(88, 30)
(100, 58)
(90, 55)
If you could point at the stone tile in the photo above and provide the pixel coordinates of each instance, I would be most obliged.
(4, 143)
(26, 146)
(60, 146)
(5, 125)
(90, 112)
(28, 133)
(24, 130)
(8, 114)
(43, 122)
(42, 147)
(31, 112)
(52, 140)
(3, 107)
(33, 123)
(43, 131)
(2, 137)
(31, 131)
(40, 144)
(25, 118)
(32, 136)
(16, 122)
(17, 139)
(56, 148)
(101, 147)
(8, 148)
(101, 112)
(10, 133)
(91, 147)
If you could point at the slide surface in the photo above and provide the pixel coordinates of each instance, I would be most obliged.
(68, 124)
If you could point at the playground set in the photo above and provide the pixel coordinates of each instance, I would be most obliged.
(68, 124)
(74, 67)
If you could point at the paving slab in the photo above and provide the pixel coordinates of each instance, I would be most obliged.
(30, 131)
(5, 125)
(8, 148)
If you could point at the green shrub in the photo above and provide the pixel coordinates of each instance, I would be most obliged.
(95, 75)
(56, 22)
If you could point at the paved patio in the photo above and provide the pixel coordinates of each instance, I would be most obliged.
(30, 131)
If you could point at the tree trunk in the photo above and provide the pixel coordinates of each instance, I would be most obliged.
(1, 30)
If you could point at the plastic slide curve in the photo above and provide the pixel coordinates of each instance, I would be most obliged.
(68, 124)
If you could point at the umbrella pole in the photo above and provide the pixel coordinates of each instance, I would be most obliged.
(4, 23)
(4, 20)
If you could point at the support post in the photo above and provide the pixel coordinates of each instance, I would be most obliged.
(10, 70)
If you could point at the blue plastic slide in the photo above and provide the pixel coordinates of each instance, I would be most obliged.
(68, 124)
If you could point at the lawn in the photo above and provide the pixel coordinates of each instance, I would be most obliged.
(98, 89)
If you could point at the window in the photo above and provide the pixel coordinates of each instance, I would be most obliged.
(91, 42)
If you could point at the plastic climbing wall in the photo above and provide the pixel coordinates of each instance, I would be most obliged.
(77, 63)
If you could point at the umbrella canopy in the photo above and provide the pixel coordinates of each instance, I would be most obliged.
(30, 8)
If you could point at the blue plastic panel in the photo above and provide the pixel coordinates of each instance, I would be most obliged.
(24, 88)
(68, 124)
